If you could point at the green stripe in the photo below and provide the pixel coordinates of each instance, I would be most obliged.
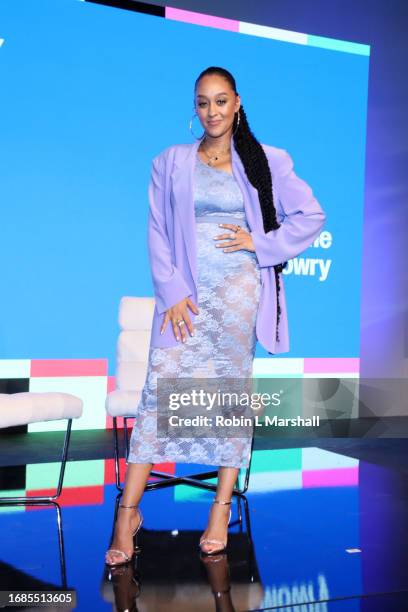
(12, 493)
(185, 493)
(338, 45)
(77, 474)
(287, 459)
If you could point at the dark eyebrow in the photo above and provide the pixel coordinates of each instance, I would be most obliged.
(222, 93)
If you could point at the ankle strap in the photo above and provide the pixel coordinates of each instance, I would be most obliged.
(122, 506)
(217, 501)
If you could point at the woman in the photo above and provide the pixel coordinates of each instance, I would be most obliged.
(217, 250)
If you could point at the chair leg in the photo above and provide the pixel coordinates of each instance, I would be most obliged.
(126, 436)
(116, 450)
(247, 471)
(61, 547)
(46, 498)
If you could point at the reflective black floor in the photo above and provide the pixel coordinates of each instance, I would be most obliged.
(316, 527)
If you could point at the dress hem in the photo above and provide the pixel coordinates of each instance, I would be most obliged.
(160, 461)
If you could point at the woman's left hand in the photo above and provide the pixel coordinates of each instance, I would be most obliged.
(237, 240)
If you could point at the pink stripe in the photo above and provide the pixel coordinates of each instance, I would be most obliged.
(200, 19)
(111, 384)
(69, 367)
(340, 477)
(328, 364)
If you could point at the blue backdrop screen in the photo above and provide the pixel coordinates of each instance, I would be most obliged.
(90, 94)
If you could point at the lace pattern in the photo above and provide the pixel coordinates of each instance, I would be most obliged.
(228, 287)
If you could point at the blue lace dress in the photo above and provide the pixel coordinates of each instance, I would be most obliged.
(223, 345)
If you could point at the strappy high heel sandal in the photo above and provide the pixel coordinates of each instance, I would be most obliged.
(126, 557)
(217, 551)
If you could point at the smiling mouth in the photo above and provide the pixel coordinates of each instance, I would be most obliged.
(214, 122)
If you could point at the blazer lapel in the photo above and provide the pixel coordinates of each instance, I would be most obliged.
(182, 186)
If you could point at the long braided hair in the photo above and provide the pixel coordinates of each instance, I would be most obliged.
(256, 167)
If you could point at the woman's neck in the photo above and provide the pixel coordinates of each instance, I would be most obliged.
(217, 144)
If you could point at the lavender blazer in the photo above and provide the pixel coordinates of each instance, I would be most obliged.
(172, 236)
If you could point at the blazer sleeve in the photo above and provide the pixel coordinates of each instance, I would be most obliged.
(169, 285)
(303, 218)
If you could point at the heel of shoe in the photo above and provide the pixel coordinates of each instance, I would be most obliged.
(125, 557)
(206, 540)
(134, 535)
(137, 547)
(140, 522)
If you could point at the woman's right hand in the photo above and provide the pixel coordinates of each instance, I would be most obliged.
(179, 312)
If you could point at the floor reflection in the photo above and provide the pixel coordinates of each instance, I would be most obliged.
(315, 528)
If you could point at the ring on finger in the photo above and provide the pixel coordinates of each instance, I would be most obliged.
(181, 322)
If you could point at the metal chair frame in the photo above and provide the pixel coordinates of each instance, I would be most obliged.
(169, 480)
(47, 498)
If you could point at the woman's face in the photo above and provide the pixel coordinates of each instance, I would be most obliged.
(215, 104)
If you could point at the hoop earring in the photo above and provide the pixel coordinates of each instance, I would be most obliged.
(191, 128)
(239, 116)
